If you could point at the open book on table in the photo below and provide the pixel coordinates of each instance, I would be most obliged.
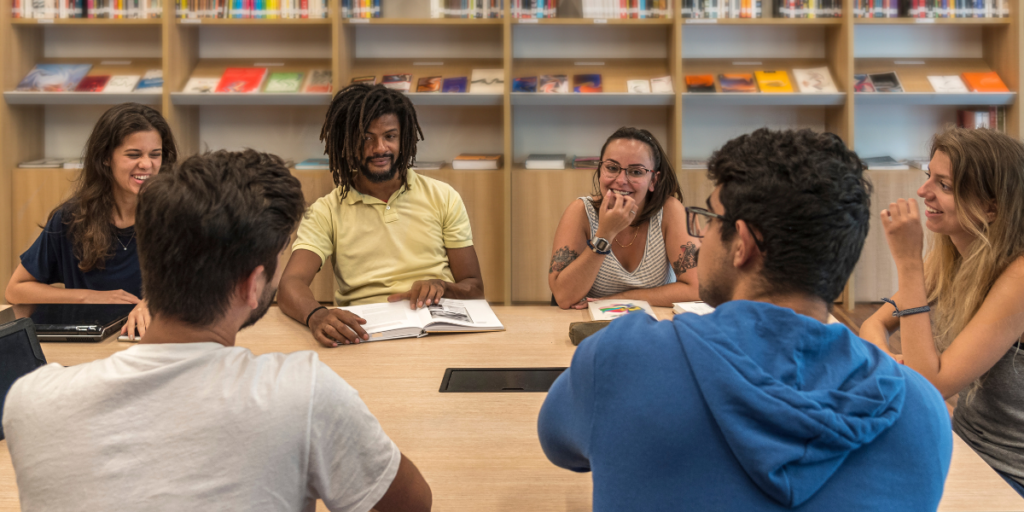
(610, 309)
(393, 320)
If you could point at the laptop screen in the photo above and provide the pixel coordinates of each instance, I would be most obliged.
(19, 355)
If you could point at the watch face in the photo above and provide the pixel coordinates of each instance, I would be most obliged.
(601, 244)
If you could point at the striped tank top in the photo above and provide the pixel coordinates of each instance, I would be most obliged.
(654, 269)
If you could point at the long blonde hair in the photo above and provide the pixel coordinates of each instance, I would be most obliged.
(987, 170)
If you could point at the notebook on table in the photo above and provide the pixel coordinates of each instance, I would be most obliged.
(19, 355)
(75, 322)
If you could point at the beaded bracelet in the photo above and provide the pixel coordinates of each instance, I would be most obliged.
(310, 315)
(905, 312)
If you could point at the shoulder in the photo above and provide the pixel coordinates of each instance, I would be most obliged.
(430, 186)
(673, 207)
(55, 224)
(632, 340)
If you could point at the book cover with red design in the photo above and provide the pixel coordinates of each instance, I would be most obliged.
(242, 80)
(94, 83)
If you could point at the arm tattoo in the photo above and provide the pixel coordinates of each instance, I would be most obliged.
(687, 260)
(562, 258)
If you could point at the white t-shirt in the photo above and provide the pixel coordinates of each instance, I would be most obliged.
(195, 426)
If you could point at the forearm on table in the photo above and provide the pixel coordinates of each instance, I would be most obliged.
(571, 284)
(663, 296)
(296, 299)
(34, 292)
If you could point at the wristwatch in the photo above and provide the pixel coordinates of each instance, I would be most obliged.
(599, 245)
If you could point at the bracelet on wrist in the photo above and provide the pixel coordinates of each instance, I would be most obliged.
(906, 312)
(310, 315)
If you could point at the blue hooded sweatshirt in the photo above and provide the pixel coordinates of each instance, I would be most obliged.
(752, 407)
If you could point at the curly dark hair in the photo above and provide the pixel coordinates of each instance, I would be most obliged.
(208, 225)
(348, 118)
(667, 185)
(805, 197)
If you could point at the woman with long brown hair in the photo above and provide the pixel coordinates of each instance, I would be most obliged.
(960, 310)
(88, 243)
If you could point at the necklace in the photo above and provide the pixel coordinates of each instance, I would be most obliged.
(124, 246)
(635, 233)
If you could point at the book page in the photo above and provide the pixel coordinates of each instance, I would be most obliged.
(470, 314)
(610, 309)
(387, 316)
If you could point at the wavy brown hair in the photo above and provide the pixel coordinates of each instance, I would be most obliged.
(987, 169)
(667, 184)
(88, 214)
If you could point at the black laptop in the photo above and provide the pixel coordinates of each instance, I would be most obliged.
(19, 355)
(75, 322)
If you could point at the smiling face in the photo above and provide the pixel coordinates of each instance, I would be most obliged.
(136, 160)
(626, 152)
(939, 203)
(380, 145)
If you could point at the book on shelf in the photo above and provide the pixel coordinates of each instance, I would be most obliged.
(43, 163)
(723, 8)
(610, 309)
(62, 9)
(74, 163)
(586, 162)
(360, 8)
(393, 320)
(987, 81)
(918, 163)
(313, 164)
(931, 9)
(773, 81)
(252, 9)
(737, 82)
(700, 83)
(152, 81)
(467, 9)
(993, 118)
(662, 84)
(631, 9)
(553, 84)
(92, 83)
(524, 84)
(420, 165)
(241, 80)
(454, 84)
(284, 81)
(474, 161)
(199, 84)
(429, 84)
(487, 81)
(534, 8)
(884, 163)
(367, 80)
(697, 307)
(950, 83)
(122, 83)
(554, 161)
(638, 86)
(54, 77)
(400, 82)
(319, 80)
(588, 83)
(814, 80)
(694, 164)
(862, 83)
(886, 82)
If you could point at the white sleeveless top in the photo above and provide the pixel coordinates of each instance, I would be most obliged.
(654, 269)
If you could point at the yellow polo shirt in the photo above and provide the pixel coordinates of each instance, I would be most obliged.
(382, 248)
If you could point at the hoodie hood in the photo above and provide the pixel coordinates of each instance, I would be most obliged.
(792, 396)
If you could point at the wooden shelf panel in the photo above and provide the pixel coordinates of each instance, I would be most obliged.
(252, 21)
(762, 21)
(465, 99)
(103, 22)
(934, 98)
(764, 99)
(931, 21)
(593, 99)
(424, 21)
(79, 98)
(260, 98)
(592, 21)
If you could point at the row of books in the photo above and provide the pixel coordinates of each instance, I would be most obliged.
(484, 81)
(76, 77)
(586, 83)
(467, 8)
(360, 8)
(59, 9)
(534, 8)
(988, 81)
(813, 80)
(626, 9)
(931, 8)
(251, 9)
(254, 80)
(721, 8)
(808, 8)
(994, 118)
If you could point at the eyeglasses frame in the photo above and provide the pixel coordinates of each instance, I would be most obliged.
(693, 211)
(622, 168)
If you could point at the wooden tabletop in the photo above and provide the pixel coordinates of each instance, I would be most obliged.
(479, 451)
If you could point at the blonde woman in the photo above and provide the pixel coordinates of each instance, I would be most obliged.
(973, 281)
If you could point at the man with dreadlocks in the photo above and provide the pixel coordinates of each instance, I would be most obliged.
(391, 233)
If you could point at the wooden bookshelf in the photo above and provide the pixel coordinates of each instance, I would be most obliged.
(513, 211)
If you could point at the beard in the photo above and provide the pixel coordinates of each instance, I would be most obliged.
(378, 177)
(714, 288)
(261, 308)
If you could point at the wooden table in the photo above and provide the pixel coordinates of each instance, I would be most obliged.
(479, 451)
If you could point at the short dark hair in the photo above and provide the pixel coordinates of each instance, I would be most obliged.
(805, 196)
(348, 118)
(667, 184)
(207, 224)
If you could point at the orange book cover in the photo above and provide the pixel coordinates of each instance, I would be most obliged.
(773, 81)
(988, 81)
(241, 80)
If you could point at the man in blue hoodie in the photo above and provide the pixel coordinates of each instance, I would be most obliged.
(759, 405)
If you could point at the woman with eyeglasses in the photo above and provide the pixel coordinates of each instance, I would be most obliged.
(960, 310)
(629, 239)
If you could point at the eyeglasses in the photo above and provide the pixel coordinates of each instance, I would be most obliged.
(698, 219)
(611, 169)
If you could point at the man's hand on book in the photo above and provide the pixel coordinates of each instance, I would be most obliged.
(331, 327)
(423, 293)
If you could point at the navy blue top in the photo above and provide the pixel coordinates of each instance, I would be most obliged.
(51, 259)
(752, 407)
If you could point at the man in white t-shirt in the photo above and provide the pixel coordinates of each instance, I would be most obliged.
(185, 420)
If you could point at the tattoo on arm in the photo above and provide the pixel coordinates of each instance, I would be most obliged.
(687, 260)
(562, 258)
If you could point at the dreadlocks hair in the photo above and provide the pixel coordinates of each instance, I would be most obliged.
(348, 119)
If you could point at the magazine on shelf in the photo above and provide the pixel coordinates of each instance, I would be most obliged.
(638, 86)
(122, 83)
(152, 81)
(54, 77)
(948, 83)
(392, 320)
(553, 84)
(487, 81)
(610, 309)
(814, 80)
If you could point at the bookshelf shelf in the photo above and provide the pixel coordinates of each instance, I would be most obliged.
(423, 21)
(931, 21)
(263, 98)
(934, 98)
(592, 21)
(252, 21)
(592, 99)
(761, 21)
(104, 22)
(79, 98)
(467, 99)
(764, 99)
